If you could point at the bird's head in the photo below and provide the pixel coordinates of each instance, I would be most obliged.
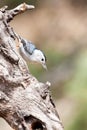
(39, 57)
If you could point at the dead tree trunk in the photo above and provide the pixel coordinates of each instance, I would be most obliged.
(25, 103)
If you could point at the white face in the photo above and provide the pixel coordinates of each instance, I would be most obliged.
(39, 57)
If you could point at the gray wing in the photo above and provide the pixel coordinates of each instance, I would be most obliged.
(28, 46)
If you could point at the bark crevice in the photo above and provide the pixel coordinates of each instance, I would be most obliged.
(25, 103)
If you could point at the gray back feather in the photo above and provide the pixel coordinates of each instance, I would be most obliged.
(28, 46)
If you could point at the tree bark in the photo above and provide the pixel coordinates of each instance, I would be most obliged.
(25, 103)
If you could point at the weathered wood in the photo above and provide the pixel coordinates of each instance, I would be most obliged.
(25, 103)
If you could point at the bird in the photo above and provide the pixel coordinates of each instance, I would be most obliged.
(30, 52)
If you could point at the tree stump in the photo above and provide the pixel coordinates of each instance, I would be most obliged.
(25, 103)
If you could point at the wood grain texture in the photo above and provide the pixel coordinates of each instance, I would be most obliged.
(25, 103)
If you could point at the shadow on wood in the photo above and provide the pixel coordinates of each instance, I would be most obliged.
(25, 103)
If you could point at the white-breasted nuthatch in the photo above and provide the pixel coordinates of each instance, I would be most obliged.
(29, 52)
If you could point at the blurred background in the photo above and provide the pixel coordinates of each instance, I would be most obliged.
(59, 28)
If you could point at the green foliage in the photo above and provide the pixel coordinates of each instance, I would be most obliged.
(77, 89)
(80, 121)
(54, 57)
(78, 84)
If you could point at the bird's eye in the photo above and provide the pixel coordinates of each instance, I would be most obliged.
(42, 59)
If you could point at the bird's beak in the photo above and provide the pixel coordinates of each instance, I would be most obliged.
(44, 66)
